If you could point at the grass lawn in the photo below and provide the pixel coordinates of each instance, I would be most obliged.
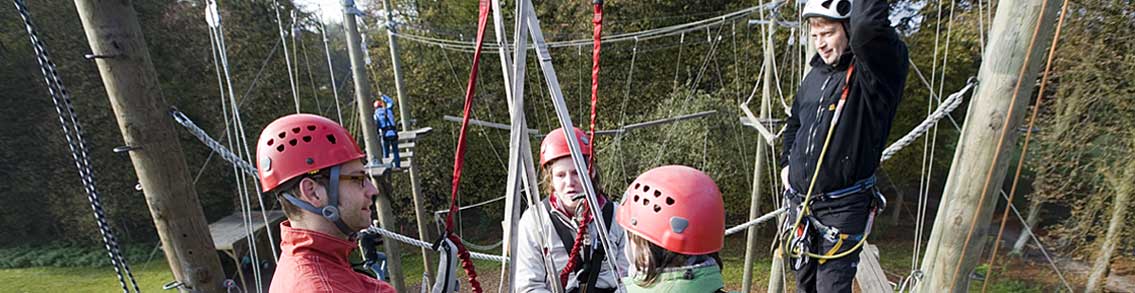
(150, 275)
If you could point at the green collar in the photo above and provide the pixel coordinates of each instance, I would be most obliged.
(694, 279)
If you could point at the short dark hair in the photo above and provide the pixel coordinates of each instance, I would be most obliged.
(292, 186)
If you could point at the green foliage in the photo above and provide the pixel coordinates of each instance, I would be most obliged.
(66, 254)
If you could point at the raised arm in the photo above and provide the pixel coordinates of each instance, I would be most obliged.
(875, 43)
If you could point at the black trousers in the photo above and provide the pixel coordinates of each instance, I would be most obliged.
(849, 214)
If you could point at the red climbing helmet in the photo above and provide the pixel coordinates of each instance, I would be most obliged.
(676, 207)
(297, 144)
(377, 103)
(555, 145)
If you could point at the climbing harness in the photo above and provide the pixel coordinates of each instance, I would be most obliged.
(801, 236)
(797, 247)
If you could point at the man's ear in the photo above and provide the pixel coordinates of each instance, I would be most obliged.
(311, 192)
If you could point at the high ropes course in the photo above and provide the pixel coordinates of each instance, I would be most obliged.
(521, 180)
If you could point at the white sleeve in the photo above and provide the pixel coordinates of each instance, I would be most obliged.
(530, 271)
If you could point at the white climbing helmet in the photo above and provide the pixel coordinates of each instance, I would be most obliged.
(830, 9)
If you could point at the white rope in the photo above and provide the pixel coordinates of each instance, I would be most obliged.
(945, 108)
(758, 220)
(287, 55)
(216, 41)
(415, 242)
(1032, 235)
(331, 70)
(212, 143)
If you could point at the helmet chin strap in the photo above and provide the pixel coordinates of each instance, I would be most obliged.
(329, 211)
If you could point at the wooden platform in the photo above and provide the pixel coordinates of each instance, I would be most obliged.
(406, 142)
(230, 230)
(230, 237)
(870, 275)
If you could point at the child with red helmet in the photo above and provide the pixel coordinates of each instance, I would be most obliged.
(577, 257)
(675, 222)
(315, 168)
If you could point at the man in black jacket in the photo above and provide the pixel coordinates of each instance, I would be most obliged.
(844, 109)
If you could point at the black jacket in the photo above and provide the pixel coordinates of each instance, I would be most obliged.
(881, 62)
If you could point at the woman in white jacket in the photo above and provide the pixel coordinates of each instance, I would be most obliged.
(577, 257)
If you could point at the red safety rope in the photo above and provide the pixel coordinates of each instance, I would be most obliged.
(459, 155)
(573, 256)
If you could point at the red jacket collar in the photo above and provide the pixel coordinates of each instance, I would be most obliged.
(296, 241)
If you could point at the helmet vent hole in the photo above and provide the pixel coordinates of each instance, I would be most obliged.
(636, 198)
(645, 202)
(657, 193)
(306, 138)
(292, 142)
(669, 201)
(282, 134)
(271, 141)
(331, 138)
(296, 130)
(657, 208)
(646, 188)
(280, 148)
(636, 185)
(311, 128)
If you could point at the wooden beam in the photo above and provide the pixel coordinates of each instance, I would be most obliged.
(1011, 62)
(870, 276)
(131, 83)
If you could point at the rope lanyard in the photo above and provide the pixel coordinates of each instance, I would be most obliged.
(585, 213)
(816, 174)
(459, 155)
(73, 131)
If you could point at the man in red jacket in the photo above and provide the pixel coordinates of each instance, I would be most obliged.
(316, 171)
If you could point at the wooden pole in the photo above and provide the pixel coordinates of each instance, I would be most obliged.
(759, 163)
(428, 256)
(1006, 77)
(1123, 188)
(370, 137)
(131, 83)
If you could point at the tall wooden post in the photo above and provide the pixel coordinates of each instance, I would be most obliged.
(759, 163)
(1124, 186)
(428, 256)
(131, 83)
(370, 137)
(980, 163)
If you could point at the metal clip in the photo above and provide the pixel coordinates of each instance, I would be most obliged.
(96, 56)
(126, 148)
(173, 285)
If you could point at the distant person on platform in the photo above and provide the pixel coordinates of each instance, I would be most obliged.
(836, 133)
(387, 129)
(315, 169)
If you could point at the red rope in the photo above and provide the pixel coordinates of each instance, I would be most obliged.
(597, 20)
(573, 257)
(459, 155)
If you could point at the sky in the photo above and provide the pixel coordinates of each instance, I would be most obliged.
(330, 10)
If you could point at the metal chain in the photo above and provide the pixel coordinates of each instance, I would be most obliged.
(74, 134)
